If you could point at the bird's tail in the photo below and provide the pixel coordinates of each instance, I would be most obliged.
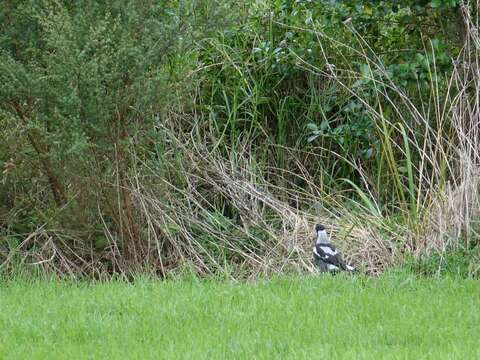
(349, 268)
(345, 267)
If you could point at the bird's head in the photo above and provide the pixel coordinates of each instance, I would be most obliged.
(319, 227)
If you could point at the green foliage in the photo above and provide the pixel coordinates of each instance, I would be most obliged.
(271, 73)
(444, 3)
(83, 83)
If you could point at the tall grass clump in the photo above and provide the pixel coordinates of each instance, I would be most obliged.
(422, 195)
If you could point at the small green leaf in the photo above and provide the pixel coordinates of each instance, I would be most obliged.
(324, 125)
(365, 70)
(312, 127)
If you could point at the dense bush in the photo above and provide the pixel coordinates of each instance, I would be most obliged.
(84, 83)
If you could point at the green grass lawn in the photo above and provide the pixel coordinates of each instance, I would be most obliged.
(397, 317)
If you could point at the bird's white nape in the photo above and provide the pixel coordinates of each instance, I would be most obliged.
(322, 237)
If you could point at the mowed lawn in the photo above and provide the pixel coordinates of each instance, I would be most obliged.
(316, 317)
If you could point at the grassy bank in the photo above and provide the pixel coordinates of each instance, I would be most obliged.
(342, 318)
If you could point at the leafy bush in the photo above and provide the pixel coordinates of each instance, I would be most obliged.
(84, 85)
(271, 76)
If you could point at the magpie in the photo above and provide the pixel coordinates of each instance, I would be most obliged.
(325, 255)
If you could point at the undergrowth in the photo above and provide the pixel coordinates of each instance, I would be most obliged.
(459, 262)
(215, 135)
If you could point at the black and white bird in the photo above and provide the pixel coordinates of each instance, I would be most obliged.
(325, 255)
